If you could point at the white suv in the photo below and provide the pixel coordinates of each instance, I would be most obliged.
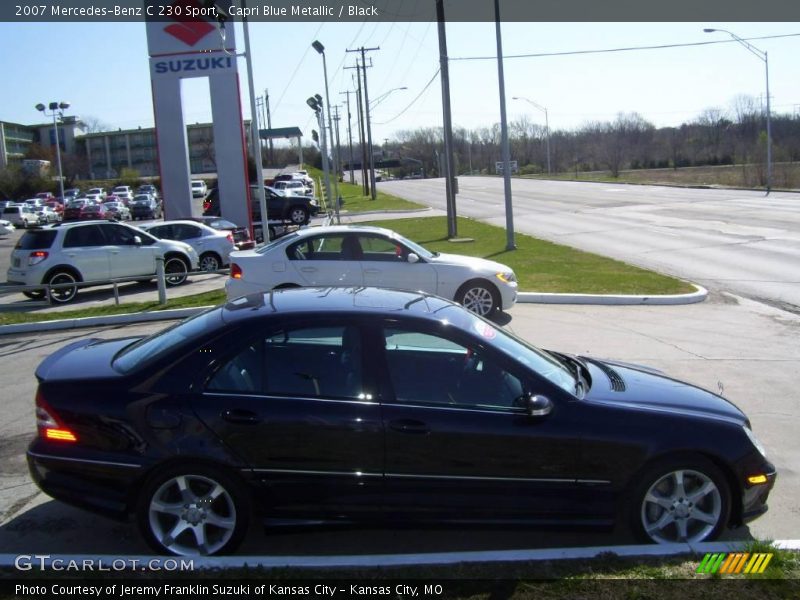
(199, 188)
(96, 252)
(21, 215)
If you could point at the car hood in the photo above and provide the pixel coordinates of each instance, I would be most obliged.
(85, 359)
(472, 262)
(643, 388)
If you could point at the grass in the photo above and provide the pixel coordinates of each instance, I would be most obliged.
(355, 201)
(204, 299)
(540, 266)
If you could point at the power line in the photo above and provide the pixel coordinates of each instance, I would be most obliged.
(609, 50)
(398, 115)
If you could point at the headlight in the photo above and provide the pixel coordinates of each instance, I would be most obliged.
(755, 441)
(507, 277)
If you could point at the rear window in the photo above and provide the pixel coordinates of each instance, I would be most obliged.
(36, 240)
(11, 210)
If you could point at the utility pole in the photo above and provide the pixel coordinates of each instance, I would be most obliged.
(269, 126)
(361, 129)
(447, 124)
(338, 146)
(350, 135)
(506, 152)
(370, 155)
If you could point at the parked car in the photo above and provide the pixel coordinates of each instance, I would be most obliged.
(72, 212)
(56, 206)
(212, 246)
(296, 210)
(94, 197)
(294, 187)
(199, 188)
(45, 197)
(91, 211)
(98, 191)
(372, 256)
(21, 215)
(94, 251)
(241, 235)
(6, 227)
(118, 210)
(348, 404)
(143, 206)
(147, 189)
(123, 192)
(46, 215)
(71, 194)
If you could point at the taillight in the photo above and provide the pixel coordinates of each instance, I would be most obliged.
(230, 237)
(48, 424)
(236, 271)
(36, 257)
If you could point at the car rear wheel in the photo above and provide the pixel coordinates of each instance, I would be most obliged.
(37, 295)
(210, 262)
(681, 501)
(298, 215)
(175, 270)
(62, 295)
(478, 297)
(193, 511)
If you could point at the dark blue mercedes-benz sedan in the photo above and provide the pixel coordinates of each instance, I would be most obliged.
(375, 405)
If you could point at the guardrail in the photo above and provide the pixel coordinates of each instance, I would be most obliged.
(47, 289)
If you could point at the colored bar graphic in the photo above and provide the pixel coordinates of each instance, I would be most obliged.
(735, 563)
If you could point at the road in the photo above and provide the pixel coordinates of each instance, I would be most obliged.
(750, 347)
(739, 241)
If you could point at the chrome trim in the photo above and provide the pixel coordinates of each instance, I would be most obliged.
(328, 400)
(309, 472)
(500, 410)
(84, 460)
(595, 481)
(473, 478)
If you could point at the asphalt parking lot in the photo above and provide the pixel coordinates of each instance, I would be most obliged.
(749, 348)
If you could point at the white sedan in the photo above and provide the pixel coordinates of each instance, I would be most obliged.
(213, 246)
(370, 256)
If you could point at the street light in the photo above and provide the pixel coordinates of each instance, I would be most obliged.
(57, 110)
(383, 97)
(321, 50)
(762, 55)
(546, 125)
(315, 103)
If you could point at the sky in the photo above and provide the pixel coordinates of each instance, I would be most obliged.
(102, 69)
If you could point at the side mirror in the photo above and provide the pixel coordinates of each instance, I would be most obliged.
(539, 406)
(413, 258)
(137, 241)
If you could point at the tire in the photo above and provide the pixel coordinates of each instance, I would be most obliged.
(38, 295)
(176, 270)
(210, 262)
(479, 297)
(680, 500)
(193, 510)
(66, 294)
(298, 215)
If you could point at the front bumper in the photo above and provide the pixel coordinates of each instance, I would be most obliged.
(754, 497)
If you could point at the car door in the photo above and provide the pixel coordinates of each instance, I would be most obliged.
(460, 443)
(86, 248)
(128, 258)
(384, 263)
(326, 259)
(295, 403)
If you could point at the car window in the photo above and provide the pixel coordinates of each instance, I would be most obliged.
(161, 231)
(302, 362)
(379, 248)
(322, 247)
(119, 235)
(182, 231)
(36, 240)
(87, 235)
(429, 369)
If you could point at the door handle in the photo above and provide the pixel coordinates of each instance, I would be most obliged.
(308, 269)
(409, 426)
(240, 416)
(372, 271)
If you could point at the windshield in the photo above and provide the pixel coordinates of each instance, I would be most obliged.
(275, 243)
(151, 348)
(414, 247)
(534, 358)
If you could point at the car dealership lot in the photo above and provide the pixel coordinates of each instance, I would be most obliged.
(748, 347)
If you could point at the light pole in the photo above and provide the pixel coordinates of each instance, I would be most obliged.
(315, 102)
(546, 125)
(321, 50)
(762, 55)
(57, 110)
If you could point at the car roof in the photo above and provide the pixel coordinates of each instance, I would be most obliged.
(307, 300)
(179, 222)
(345, 229)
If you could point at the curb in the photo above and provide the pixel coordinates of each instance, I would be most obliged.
(345, 213)
(522, 297)
(429, 559)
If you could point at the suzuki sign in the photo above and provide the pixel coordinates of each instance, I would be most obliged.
(191, 46)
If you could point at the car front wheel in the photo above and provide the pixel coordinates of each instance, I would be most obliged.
(175, 270)
(193, 511)
(298, 215)
(681, 501)
(477, 297)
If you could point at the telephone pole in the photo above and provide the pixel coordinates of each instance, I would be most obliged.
(338, 146)
(349, 134)
(269, 126)
(361, 129)
(370, 155)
